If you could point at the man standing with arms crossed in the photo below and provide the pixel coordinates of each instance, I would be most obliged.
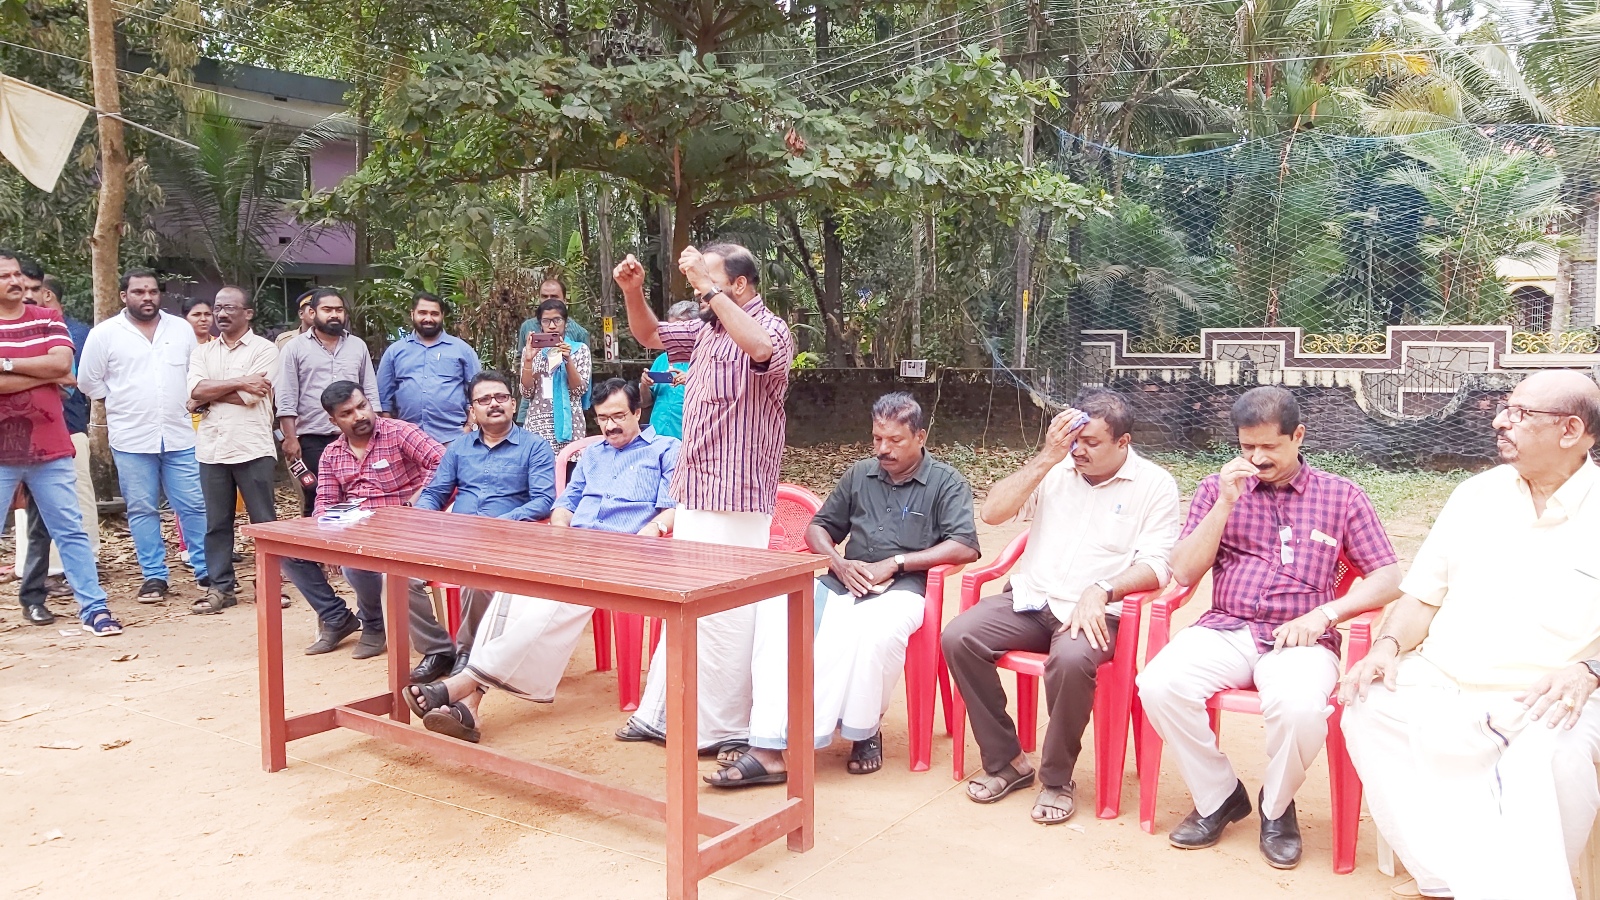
(726, 480)
(35, 360)
(230, 383)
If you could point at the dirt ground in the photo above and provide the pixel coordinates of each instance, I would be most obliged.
(130, 766)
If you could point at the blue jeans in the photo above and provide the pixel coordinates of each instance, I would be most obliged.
(143, 476)
(54, 486)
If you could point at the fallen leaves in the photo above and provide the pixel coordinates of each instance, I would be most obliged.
(112, 745)
(61, 745)
(125, 657)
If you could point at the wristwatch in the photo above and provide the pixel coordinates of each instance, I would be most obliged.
(899, 563)
(706, 297)
(1105, 585)
(1593, 665)
(7, 365)
(1327, 610)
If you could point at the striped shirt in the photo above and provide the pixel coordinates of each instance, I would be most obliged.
(33, 428)
(621, 490)
(733, 416)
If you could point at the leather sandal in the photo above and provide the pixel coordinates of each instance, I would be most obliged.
(751, 773)
(1010, 780)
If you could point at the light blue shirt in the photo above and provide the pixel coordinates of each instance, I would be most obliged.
(622, 490)
(666, 400)
(426, 385)
(514, 479)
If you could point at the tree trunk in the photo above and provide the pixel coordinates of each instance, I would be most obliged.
(842, 349)
(1561, 305)
(682, 230)
(105, 246)
(1024, 266)
(650, 214)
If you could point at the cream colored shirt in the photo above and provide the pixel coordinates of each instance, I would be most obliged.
(1518, 595)
(230, 433)
(1083, 533)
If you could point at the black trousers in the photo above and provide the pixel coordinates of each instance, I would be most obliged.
(218, 482)
(38, 563)
(311, 447)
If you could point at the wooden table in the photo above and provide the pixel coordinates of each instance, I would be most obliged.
(677, 581)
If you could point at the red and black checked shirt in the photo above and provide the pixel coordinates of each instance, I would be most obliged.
(400, 460)
(733, 416)
(1251, 585)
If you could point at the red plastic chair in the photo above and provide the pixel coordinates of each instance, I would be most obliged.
(1114, 696)
(1344, 783)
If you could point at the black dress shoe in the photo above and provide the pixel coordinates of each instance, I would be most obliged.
(329, 638)
(1197, 831)
(38, 615)
(433, 667)
(1280, 837)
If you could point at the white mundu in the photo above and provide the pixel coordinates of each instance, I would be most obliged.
(726, 639)
(523, 644)
(1476, 800)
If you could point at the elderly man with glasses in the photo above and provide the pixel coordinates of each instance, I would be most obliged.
(1478, 751)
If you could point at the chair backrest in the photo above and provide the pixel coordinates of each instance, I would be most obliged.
(569, 456)
(791, 516)
(1345, 575)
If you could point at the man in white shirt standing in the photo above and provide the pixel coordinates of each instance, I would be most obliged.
(138, 363)
(1104, 523)
(230, 385)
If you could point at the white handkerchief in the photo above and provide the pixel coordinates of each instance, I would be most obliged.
(1321, 538)
(381, 464)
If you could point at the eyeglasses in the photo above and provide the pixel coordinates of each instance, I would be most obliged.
(1515, 414)
(552, 321)
(613, 419)
(226, 307)
(487, 399)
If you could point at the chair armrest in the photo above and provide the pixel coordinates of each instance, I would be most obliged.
(1361, 636)
(1173, 596)
(933, 598)
(974, 580)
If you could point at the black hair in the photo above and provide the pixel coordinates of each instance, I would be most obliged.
(337, 393)
(319, 293)
(555, 281)
(31, 269)
(736, 261)
(1108, 406)
(1266, 405)
(900, 407)
(192, 302)
(7, 253)
(493, 375)
(429, 296)
(54, 286)
(604, 390)
(559, 306)
(139, 272)
(246, 300)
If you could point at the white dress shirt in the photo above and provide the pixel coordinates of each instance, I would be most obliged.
(144, 382)
(1083, 533)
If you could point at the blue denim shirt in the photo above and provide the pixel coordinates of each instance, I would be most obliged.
(75, 407)
(514, 479)
(427, 385)
(622, 490)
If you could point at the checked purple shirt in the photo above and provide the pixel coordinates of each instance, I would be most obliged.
(1316, 517)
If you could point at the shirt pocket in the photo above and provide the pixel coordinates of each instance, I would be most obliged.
(1315, 560)
(723, 381)
(387, 478)
(1115, 533)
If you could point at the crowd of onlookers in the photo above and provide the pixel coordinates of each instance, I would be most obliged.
(1473, 720)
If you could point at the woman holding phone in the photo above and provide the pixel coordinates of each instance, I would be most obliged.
(662, 386)
(555, 378)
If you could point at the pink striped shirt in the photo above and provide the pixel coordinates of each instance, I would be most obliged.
(733, 416)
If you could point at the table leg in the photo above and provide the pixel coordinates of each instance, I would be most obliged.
(397, 628)
(269, 643)
(802, 754)
(683, 768)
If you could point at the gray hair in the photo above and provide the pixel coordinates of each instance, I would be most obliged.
(683, 310)
(900, 407)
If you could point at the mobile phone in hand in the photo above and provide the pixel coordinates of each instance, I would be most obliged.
(539, 340)
(658, 377)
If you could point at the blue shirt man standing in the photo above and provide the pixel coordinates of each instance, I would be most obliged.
(422, 378)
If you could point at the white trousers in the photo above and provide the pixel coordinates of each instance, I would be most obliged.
(1294, 684)
(523, 644)
(1477, 801)
(859, 653)
(725, 640)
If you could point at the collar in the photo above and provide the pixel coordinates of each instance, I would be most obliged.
(1300, 481)
(919, 474)
(445, 337)
(646, 434)
(310, 334)
(1129, 469)
(514, 436)
(243, 339)
(1570, 496)
(126, 321)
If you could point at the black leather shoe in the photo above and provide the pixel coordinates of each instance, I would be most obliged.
(433, 667)
(1197, 831)
(329, 638)
(1280, 837)
(38, 615)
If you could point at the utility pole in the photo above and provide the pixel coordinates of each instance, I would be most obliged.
(1024, 272)
(105, 244)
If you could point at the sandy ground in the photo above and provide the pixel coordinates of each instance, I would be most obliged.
(130, 766)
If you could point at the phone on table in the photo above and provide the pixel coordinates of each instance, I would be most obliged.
(342, 508)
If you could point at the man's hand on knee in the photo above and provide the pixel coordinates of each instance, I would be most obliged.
(1561, 694)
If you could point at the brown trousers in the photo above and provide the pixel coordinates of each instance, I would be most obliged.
(974, 640)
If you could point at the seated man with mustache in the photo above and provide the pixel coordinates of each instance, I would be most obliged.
(523, 643)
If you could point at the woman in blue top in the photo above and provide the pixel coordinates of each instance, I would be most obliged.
(554, 380)
(666, 400)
